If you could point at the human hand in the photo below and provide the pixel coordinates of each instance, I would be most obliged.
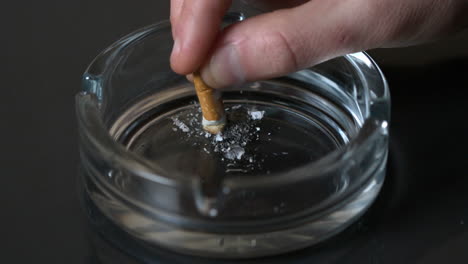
(299, 34)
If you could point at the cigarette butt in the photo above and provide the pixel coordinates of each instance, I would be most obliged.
(211, 104)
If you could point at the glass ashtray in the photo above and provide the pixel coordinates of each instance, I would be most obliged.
(302, 156)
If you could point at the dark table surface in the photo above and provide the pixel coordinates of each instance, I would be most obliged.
(420, 217)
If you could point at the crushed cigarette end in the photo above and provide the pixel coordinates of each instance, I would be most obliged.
(214, 119)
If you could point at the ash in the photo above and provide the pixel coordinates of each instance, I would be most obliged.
(242, 128)
(256, 115)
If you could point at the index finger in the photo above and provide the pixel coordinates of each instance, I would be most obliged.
(176, 8)
(195, 32)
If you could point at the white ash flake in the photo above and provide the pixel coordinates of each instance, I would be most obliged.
(219, 137)
(181, 125)
(256, 115)
(234, 152)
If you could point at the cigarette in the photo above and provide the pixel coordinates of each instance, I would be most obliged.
(211, 105)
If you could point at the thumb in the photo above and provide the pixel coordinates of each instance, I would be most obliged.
(287, 40)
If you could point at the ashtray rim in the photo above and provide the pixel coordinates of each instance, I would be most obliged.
(93, 129)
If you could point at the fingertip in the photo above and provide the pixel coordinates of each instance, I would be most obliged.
(175, 65)
(181, 63)
(180, 69)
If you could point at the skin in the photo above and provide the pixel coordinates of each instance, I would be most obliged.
(296, 34)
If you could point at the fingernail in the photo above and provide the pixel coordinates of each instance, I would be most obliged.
(189, 77)
(224, 68)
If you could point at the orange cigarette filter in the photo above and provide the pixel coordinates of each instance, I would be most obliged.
(214, 118)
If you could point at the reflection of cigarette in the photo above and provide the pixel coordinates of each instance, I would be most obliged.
(211, 104)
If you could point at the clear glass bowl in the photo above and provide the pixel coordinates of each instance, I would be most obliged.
(304, 155)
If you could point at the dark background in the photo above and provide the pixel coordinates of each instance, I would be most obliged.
(421, 217)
